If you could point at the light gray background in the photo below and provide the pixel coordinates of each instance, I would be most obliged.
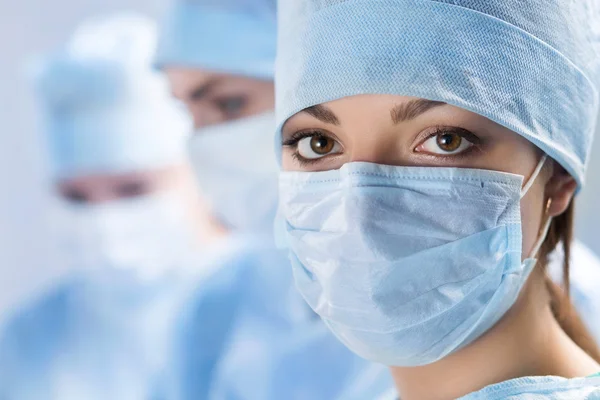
(27, 260)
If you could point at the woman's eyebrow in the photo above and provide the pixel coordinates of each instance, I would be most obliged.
(323, 114)
(412, 109)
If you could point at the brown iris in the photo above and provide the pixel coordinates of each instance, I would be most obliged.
(449, 141)
(321, 145)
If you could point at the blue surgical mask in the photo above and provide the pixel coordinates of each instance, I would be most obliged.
(237, 171)
(148, 237)
(407, 264)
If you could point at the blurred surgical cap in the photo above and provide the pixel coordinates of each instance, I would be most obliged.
(106, 109)
(532, 66)
(229, 36)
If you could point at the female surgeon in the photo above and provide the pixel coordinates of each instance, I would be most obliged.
(219, 57)
(431, 153)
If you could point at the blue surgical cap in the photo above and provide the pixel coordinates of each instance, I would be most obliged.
(106, 109)
(229, 36)
(531, 66)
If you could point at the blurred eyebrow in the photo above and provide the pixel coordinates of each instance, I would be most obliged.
(412, 109)
(323, 114)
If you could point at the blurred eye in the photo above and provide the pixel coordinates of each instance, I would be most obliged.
(448, 142)
(75, 196)
(132, 189)
(317, 146)
(231, 107)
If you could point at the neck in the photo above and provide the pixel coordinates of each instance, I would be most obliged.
(528, 341)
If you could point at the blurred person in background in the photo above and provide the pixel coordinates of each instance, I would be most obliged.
(219, 57)
(134, 227)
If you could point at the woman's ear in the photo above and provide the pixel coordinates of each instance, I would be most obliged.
(560, 188)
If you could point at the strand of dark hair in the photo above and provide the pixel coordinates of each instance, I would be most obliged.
(561, 233)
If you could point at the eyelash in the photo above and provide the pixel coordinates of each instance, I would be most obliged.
(463, 133)
(296, 137)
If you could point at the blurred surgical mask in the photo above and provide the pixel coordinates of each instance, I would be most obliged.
(147, 236)
(237, 171)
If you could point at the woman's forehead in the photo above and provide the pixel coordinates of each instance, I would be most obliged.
(397, 109)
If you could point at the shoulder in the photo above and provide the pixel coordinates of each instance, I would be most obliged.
(244, 249)
(243, 259)
(256, 248)
(45, 314)
(548, 387)
(33, 333)
(237, 269)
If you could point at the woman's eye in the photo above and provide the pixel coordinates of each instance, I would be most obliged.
(445, 143)
(132, 189)
(317, 146)
(76, 197)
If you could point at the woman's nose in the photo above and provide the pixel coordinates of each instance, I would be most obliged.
(378, 149)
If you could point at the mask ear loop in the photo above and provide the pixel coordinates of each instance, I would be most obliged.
(534, 175)
(543, 231)
(546, 227)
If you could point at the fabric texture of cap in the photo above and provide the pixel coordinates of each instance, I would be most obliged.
(230, 36)
(106, 109)
(532, 66)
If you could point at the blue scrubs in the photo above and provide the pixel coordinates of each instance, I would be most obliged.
(547, 388)
(275, 347)
(534, 388)
(240, 331)
(92, 338)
